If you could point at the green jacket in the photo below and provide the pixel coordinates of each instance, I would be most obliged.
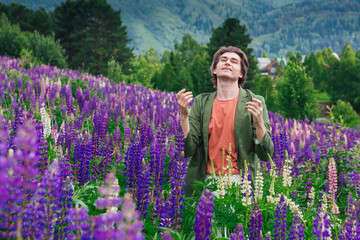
(197, 141)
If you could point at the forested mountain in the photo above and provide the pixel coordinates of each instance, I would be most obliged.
(275, 26)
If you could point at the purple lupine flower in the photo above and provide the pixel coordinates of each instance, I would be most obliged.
(159, 205)
(317, 155)
(280, 219)
(65, 202)
(146, 134)
(351, 227)
(157, 161)
(132, 163)
(104, 166)
(179, 148)
(179, 164)
(166, 215)
(353, 180)
(79, 98)
(78, 227)
(45, 207)
(69, 101)
(204, 216)
(321, 228)
(297, 229)
(117, 145)
(95, 138)
(103, 128)
(109, 190)
(69, 137)
(143, 190)
(166, 236)
(131, 220)
(127, 133)
(349, 203)
(308, 187)
(82, 152)
(255, 227)
(65, 198)
(86, 109)
(238, 233)
(43, 147)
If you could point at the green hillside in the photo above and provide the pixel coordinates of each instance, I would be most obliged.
(275, 26)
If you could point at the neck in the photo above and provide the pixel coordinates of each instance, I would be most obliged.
(227, 90)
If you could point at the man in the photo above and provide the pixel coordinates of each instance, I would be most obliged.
(230, 115)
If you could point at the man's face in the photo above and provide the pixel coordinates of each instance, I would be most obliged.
(229, 66)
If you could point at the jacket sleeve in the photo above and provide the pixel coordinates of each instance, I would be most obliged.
(193, 138)
(266, 146)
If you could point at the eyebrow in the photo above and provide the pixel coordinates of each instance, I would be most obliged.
(232, 58)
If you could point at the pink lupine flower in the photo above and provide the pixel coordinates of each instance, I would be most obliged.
(332, 177)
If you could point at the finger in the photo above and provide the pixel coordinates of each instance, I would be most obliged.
(251, 111)
(189, 101)
(180, 92)
(184, 102)
(253, 105)
(254, 112)
(254, 109)
(187, 97)
(257, 101)
(187, 94)
(184, 99)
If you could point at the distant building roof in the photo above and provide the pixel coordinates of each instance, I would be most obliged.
(263, 62)
(270, 69)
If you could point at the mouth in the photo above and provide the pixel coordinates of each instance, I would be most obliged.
(226, 69)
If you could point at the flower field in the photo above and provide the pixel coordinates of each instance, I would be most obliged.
(83, 158)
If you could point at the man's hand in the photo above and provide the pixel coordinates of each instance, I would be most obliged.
(256, 109)
(184, 99)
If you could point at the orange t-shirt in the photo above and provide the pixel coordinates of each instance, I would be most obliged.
(221, 134)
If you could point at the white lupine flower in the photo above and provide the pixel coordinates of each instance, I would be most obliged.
(259, 183)
(334, 208)
(46, 121)
(324, 204)
(221, 187)
(246, 188)
(294, 207)
(228, 180)
(287, 172)
(230, 177)
(270, 198)
(273, 167)
(311, 197)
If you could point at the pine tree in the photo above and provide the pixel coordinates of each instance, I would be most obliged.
(91, 31)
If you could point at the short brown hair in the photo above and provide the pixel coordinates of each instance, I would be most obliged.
(244, 63)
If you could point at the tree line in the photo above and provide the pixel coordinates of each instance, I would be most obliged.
(88, 35)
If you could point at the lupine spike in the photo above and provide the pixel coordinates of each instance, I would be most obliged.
(204, 216)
